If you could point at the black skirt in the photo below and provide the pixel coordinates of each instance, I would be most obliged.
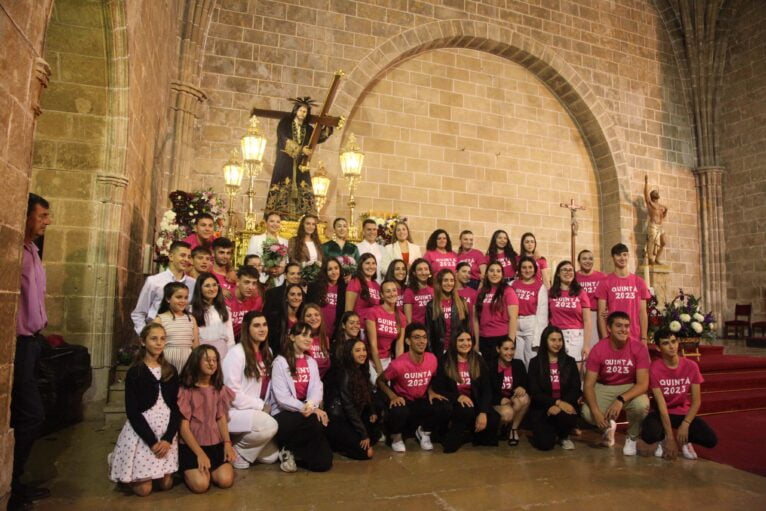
(187, 460)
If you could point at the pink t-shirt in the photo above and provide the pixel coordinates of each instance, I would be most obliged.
(301, 378)
(507, 375)
(509, 270)
(566, 311)
(361, 305)
(465, 375)
(624, 294)
(386, 328)
(322, 359)
(239, 309)
(447, 313)
(330, 309)
(590, 283)
(617, 367)
(221, 278)
(418, 300)
(440, 261)
(475, 259)
(676, 384)
(555, 381)
(494, 323)
(468, 294)
(265, 378)
(399, 297)
(411, 380)
(194, 242)
(527, 294)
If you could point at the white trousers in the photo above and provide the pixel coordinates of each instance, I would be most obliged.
(526, 334)
(257, 444)
(573, 341)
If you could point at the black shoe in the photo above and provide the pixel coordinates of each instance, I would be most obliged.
(18, 503)
(32, 493)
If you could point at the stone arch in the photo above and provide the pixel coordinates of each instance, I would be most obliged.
(586, 110)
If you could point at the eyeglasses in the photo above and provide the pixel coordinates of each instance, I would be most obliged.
(566, 270)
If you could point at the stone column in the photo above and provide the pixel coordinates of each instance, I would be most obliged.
(712, 241)
(187, 100)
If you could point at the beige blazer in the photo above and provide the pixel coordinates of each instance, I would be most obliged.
(392, 251)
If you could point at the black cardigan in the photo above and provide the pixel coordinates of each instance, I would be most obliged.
(540, 389)
(481, 387)
(437, 326)
(141, 392)
(341, 405)
(520, 379)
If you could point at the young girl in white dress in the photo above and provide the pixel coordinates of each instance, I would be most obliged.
(180, 326)
(147, 448)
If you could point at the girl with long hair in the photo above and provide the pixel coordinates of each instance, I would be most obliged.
(147, 448)
(205, 453)
(446, 314)
(463, 378)
(401, 247)
(340, 246)
(329, 292)
(354, 425)
(349, 330)
(533, 309)
(286, 316)
(439, 252)
(363, 292)
(496, 312)
(180, 326)
(477, 262)
(569, 310)
(419, 291)
(464, 289)
(589, 278)
(554, 386)
(385, 325)
(247, 372)
(501, 250)
(311, 314)
(296, 395)
(305, 248)
(529, 249)
(510, 389)
(212, 315)
(397, 272)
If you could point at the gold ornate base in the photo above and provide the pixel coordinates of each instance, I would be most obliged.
(288, 230)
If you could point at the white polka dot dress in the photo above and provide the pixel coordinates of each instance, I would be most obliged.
(132, 460)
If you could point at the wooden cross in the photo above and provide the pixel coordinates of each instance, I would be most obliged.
(320, 121)
(573, 209)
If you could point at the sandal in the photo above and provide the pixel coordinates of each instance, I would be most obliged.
(513, 439)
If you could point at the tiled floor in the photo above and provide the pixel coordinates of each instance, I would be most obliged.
(73, 464)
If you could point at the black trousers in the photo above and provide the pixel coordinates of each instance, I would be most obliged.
(431, 417)
(546, 429)
(27, 411)
(699, 432)
(305, 438)
(344, 438)
(488, 348)
(462, 424)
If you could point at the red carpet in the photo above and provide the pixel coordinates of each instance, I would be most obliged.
(740, 440)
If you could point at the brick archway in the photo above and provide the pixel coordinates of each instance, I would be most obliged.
(586, 110)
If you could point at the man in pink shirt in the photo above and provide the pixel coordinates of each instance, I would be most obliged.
(412, 403)
(27, 412)
(246, 297)
(626, 292)
(617, 377)
(675, 383)
(204, 232)
(223, 250)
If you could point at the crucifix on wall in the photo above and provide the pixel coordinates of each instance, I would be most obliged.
(573, 209)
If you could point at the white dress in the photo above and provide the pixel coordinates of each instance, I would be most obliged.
(132, 460)
(216, 332)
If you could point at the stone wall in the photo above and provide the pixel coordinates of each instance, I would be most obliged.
(742, 124)
(22, 77)
(260, 52)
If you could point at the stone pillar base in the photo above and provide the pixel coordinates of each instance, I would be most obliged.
(659, 281)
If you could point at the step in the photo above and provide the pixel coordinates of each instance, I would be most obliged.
(114, 415)
(732, 400)
(116, 395)
(731, 363)
(734, 380)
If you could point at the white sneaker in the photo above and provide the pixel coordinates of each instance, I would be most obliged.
(397, 444)
(567, 444)
(287, 461)
(240, 462)
(629, 449)
(688, 451)
(608, 435)
(424, 439)
(659, 451)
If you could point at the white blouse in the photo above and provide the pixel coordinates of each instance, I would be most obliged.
(215, 330)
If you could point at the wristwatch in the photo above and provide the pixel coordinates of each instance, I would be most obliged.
(621, 399)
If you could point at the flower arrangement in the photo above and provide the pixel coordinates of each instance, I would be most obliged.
(685, 318)
(347, 264)
(385, 226)
(178, 222)
(310, 272)
(273, 255)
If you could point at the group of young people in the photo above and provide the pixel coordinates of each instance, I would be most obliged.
(446, 347)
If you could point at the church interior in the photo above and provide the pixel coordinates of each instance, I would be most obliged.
(471, 114)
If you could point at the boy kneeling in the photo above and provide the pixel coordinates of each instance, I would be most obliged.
(672, 380)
